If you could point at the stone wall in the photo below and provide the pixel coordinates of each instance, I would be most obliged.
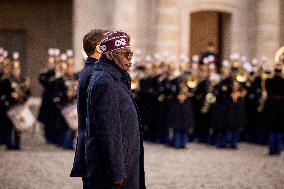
(46, 24)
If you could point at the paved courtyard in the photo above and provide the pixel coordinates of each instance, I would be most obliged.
(42, 166)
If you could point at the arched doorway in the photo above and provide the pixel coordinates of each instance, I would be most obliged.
(210, 26)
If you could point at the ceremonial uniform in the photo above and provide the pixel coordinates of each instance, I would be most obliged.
(180, 116)
(201, 130)
(45, 115)
(167, 89)
(15, 91)
(220, 111)
(254, 131)
(273, 113)
(2, 110)
(148, 98)
(60, 99)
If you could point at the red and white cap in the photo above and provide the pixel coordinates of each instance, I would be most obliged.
(115, 40)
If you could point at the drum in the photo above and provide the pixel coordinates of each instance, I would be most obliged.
(70, 115)
(22, 117)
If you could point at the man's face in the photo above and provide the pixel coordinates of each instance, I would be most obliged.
(122, 58)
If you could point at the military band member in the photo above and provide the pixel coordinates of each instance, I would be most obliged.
(4, 74)
(16, 91)
(60, 99)
(254, 131)
(47, 105)
(181, 116)
(237, 113)
(220, 110)
(274, 110)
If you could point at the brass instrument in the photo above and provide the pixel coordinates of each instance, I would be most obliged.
(264, 76)
(279, 55)
(192, 82)
(135, 84)
(242, 76)
(187, 88)
(210, 99)
(183, 94)
(20, 88)
(279, 58)
(72, 86)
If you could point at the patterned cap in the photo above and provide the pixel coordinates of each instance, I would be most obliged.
(115, 40)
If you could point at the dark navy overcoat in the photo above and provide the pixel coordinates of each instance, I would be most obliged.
(112, 132)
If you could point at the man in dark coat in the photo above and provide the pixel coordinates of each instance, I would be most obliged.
(112, 132)
(91, 46)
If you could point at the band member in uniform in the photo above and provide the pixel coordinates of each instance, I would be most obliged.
(47, 106)
(16, 90)
(4, 74)
(71, 84)
(254, 129)
(237, 112)
(220, 110)
(202, 114)
(91, 47)
(60, 99)
(274, 110)
(180, 116)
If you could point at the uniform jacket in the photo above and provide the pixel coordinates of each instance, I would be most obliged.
(112, 131)
(46, 105)
(274, 106)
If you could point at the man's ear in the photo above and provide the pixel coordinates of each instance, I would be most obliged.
(108, 55)
(98, 49)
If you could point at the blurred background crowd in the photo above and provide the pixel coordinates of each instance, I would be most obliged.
(181, 99)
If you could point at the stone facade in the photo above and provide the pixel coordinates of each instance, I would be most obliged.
(253, 28)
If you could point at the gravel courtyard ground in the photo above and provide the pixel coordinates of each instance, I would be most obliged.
(42, 166)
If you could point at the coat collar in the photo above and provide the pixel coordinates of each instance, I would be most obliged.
(103, 64)
(91, 60)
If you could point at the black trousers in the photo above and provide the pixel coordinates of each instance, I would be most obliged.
(84, 183)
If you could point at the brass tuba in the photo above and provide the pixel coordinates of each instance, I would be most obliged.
(279, 55)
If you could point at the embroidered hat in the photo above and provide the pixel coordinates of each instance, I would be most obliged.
(115, 40)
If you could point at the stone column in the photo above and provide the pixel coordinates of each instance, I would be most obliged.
(147, 16)
(167, 28)
(124, 18)
(240, 28)
(268, 30)
(87, 15)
